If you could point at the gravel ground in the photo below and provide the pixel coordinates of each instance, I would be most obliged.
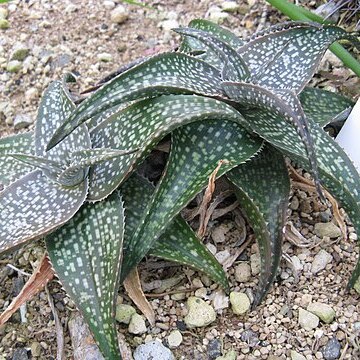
(93, 38)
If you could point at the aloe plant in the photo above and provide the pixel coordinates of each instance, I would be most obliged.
(232, 107)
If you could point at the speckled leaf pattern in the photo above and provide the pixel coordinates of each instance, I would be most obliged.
(169, 73)
(142, 125)
(54, 108)
(12, 169)
(86, 256)
(287, 56)
(33, 206)
(274, 109)
(195, 153)
(232, 66)
(262, 186)
(178, 243)
(324, 107)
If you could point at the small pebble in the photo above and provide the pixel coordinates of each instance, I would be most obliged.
(332, 350)
(124, 313)
(296, 356)
(240, 302)
(327, 229)
(153, 350)
(174, 339)
(325, 312)
(199, 313)
(242, 272)
(321, 259)
(119, 15)
(4, 24)
(307, 320)
(14, 66)
(214, 349)
(137, 325)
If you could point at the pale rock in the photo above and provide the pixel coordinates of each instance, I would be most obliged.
(230, 6)
(219, 232)
(108, 4)
(255, 264)
(220, 300)
(153, 350)
(35, 348)
(71, 8)
(22, 121)
(222, 256)
(31, 94)
(216, 15)
(119, 15)
(296, 356)
(321, 259)
(298, 266)
(4, 13)
(240, 302)
(325, 312)
(199, 313)
(242, 272)
(4, 24)
(19, 52)
(13, 66)
(105, 57)
(327, 229)
(294, 204)
(124, 313)
(174, 339)
(211, 248)
(137, 325)
(307, 320)
(230, 355)
(168, 25)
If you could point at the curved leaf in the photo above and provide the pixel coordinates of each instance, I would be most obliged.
(86, 255)
(169, 73)
(11, 169)
(232, 66)
(263, 189)
(54, 108)
(324, 107)
(142, 125)
(33, 206)
(178, 243)
(274, 108)
(197, 150)
(287, 56)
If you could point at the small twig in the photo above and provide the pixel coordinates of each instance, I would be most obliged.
(343, 353)
(59, 330)
(18, 270)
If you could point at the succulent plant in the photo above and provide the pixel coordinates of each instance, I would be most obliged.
(232, 107)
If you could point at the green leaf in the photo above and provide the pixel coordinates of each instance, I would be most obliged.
(178, 243)
(142, 125)
(286, 56)
(169, 73)
(324, 107)
(263, 189)
(196, 152)
(54, 108)
(11, 169)
(232, 66)
(86, 255)
(33, 206)
(274, 109)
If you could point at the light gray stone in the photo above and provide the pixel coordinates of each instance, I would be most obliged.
(174, 339)
(4, 13)
(119, 15)
(307, 320)
(22, 121)
(153, 350)
(19, 52)
(230, 6)
(199, 313)
(137, 325)
(240, 302)
(4, 24)
(14, 66)
(321, 259)
(242, 272)
(255, 264)
(327, 229)
(105, 57)
(216, 15)
(296, 356)
(325, 312)
(124, 313)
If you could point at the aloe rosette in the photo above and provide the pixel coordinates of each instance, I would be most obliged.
(232, 107)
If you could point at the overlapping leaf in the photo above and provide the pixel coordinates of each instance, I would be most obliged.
(263, 188)
(232, 66)
(287, 56)
(86, 255)
(169, 73)
(142, 125)
(178, 243)
(12, 169)
(197, 149)
(33, 206)
(324, 107)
